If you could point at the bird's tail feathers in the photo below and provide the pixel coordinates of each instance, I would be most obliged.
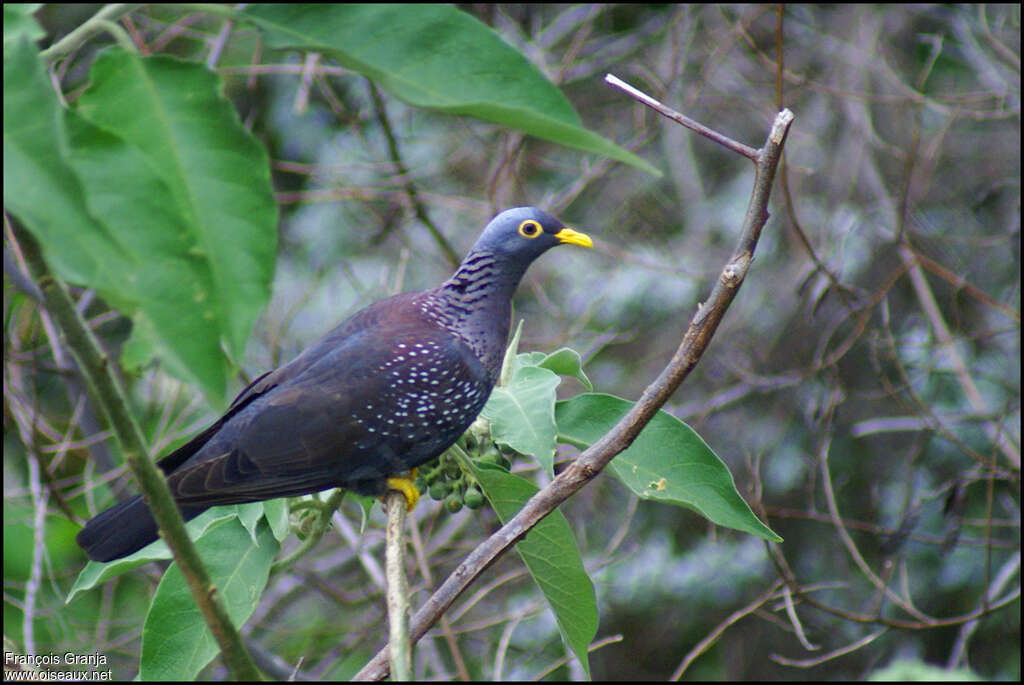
(122, 529)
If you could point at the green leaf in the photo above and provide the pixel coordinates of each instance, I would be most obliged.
(668, 462)
(550, 553)
(250, 515)
(522, 414)
(509, 361)
(440, 58)
(174, 113)
(566, 362)
(148, 272)
(40, 186)
(530, 358)
(521, 410)
(96, 573)
(276, 511)
(176, 643)
(160, 201)
(18, 21)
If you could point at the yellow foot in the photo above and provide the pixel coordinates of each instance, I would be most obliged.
(406, 486)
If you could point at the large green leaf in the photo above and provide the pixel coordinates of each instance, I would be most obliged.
(522, 413)
(96, 573)
(156, 279)
(440, 58)
(550, 553)
(174, 113)
(157, 198)
(176, 642)
(40, 186)
(521, 410)
(667, 462)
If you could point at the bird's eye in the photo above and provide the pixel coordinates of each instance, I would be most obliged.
(529, 229)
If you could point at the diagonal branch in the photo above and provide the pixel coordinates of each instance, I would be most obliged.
(597, 456)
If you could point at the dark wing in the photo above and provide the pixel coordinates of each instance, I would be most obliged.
(362, 320)
(349, 414)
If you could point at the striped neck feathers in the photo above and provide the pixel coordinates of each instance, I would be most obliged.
(475, 304)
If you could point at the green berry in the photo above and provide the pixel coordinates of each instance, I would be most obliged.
(438, 490)
(474, 498)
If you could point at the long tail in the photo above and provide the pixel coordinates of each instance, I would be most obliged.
(122, 529)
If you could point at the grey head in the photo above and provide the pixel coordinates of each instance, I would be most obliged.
(475, 303)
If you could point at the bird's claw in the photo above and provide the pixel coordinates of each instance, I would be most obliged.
(407, 486)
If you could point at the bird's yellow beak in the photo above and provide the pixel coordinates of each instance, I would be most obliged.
(567, 235)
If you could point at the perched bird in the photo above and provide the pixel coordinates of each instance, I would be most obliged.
(391, 387)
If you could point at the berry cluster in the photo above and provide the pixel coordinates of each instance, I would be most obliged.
(446, 480)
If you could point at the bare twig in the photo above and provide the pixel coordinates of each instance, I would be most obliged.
(958, 655)
(844, 535)
(38, 543)
(218, 44)
(956, 361)
(795, 621)
(725, 141)
(712, 637)
(809, 663)
(301, 103)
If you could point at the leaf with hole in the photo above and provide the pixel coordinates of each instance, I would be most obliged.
(668, 462)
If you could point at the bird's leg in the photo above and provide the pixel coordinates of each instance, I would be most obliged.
(407, 486)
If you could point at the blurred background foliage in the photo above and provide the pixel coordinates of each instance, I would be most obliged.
(864, 387)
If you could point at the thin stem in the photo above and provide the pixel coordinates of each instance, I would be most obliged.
(844, 535)
(98, 22)
(809, 663)
(326, 511)
(711, 638)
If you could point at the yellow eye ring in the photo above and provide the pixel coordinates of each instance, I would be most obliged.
(530, 229)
